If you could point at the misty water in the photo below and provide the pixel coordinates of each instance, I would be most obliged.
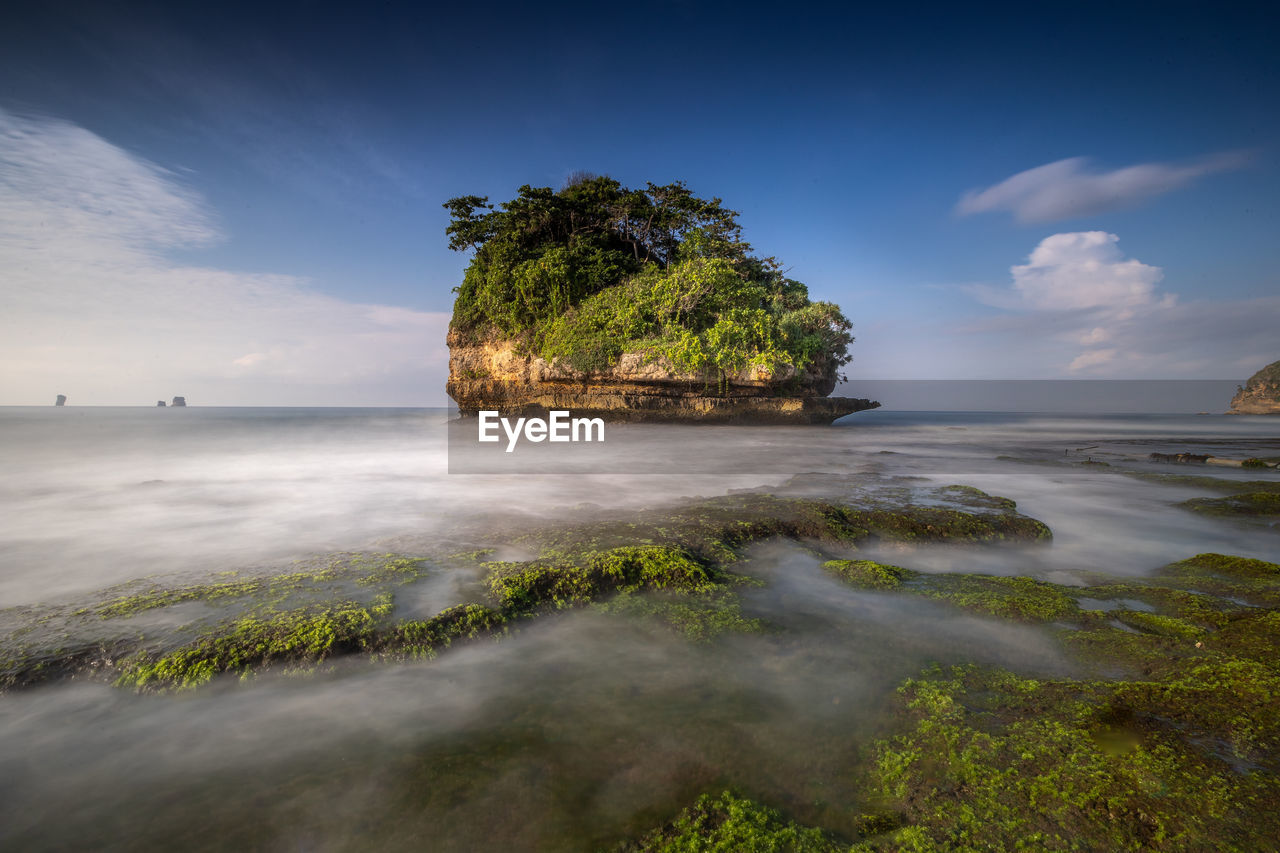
(582, 728)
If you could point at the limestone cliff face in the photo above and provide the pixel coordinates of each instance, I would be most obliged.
(1260, 395)
(494, 375)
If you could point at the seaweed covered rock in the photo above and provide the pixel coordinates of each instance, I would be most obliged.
(634, 305)
(671, 565)
(1169, 743)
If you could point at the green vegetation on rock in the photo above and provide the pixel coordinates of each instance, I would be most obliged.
(522, 586)
(1023, 599)
(362, 569)
(994, 761)
(697, 617)
(1212, 484)
(1177, 748)
(1225, 564)
(597, 269)
(1246, 505)
(867, 574)
(670, 565)
(731, 824)
(253, 642)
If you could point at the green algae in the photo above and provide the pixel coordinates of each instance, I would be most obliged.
(361, 569)
(696, 617)
(975, 497)
(1155, 623)
(253, 642)
(305, 638)
(1019, 598)
(868, 574)
(683, 552)
(1176, 747)
(1227, 565)
(1168, 743)
(1219, 581)
(713, 530)
(1207, 483)
(730, 823)
(1243, 505)
(1204, 591)
(991, 760)
(479, 555)
(423, 638)
(524, 586)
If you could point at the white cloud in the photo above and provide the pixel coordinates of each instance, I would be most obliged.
(1077, 271)
(1067, 189)
(92, 308)
(1084, 269)
(1078, 307)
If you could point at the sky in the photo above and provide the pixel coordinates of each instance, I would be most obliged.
(243, 205)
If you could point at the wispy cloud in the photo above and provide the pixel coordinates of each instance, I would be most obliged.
(93, 308)
(1067, 189)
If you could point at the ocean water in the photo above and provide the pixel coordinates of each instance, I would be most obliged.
(584, 727)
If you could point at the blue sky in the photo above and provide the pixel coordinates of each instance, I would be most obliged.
(244, 206)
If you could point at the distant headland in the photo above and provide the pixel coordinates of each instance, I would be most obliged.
(634, 304)
(1260, 395)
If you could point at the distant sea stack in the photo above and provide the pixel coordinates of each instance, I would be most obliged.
(179, 401)
(61, 401)
(1260, 395)
(634, 305)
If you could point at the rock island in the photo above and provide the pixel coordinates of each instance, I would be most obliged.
(634, 305)
(1260, 395)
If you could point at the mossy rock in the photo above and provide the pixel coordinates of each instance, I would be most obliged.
(684, 550)
(1019, 598)
(994, 761)
(1154, 623)
(1211, 484)
(732, 824)
(713, 529)
(361, 569)
(1246, 505)
(1226, 565)
(523, 586)
(698, 617)
(1203, 609)
(868, 574)
(251, 643)
(975, 497)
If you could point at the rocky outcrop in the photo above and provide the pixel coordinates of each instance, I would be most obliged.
(159, 404)
(61, 401)
(1260, 395)
(179, 401)
(497, 376)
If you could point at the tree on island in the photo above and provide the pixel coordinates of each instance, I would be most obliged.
(596, 269)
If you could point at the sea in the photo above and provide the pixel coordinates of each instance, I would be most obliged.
(582, 728)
